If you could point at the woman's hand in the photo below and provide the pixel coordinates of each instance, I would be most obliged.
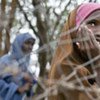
(25, 87)
(27, 77)
(12, 70)
(87, 42)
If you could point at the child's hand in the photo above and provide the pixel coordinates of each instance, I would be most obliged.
(87, 42)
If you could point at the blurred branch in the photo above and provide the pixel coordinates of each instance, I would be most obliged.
(42, 29)
(59, 17)
(9, 25)
(6, 24)
(26, 17)
(3, 4)
(2, 13)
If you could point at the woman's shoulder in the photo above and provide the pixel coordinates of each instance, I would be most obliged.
(7, 58)
(4, 58)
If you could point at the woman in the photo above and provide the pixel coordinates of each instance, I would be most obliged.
(77, 55)
(15, 80)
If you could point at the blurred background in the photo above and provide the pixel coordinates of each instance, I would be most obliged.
(43, 19)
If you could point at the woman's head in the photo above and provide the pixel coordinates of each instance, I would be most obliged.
(86, 14)
(69, 33)
(88, 32)
(22, 45)
(28, 45)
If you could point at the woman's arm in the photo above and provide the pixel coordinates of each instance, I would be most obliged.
(7, 90)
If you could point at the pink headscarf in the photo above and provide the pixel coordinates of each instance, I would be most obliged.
(84, 11)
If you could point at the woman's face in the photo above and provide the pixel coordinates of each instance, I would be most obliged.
(28, 46)
(93, 23)
(89, 35)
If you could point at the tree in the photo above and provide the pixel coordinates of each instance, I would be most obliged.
(6, 20)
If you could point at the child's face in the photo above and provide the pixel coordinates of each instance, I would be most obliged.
(27, 46)
(93, 23)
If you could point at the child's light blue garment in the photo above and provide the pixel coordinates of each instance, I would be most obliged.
(16, 58)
